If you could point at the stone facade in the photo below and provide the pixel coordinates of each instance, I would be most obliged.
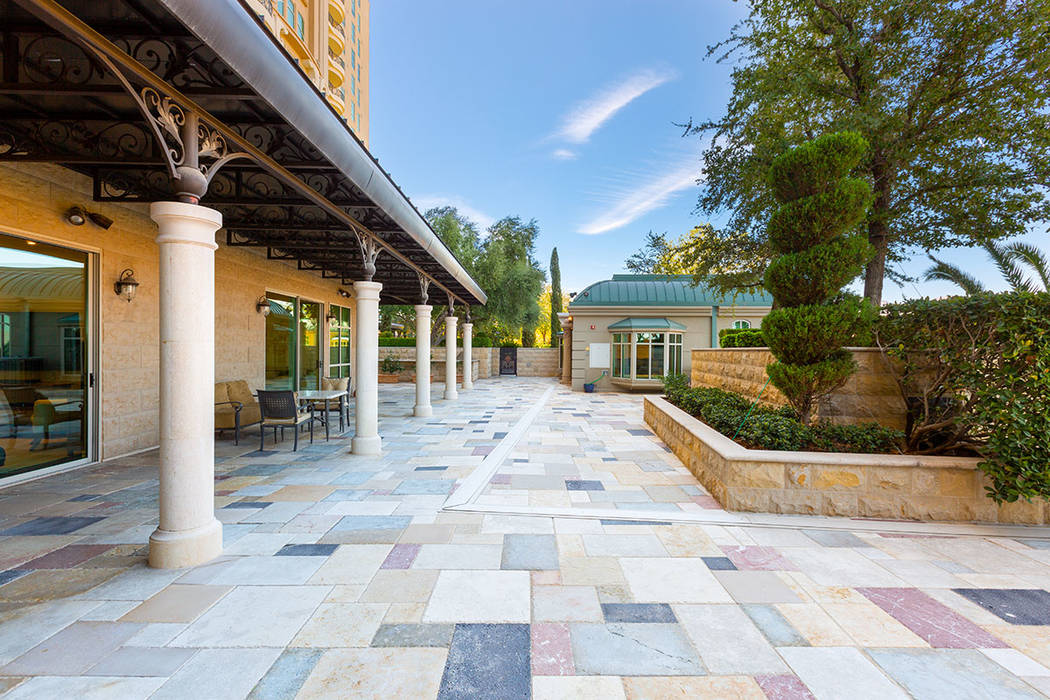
(871, 394)
(532, 362)
(817, 483)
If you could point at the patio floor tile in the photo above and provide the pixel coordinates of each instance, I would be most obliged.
(142, 661)
(633, 649)
(238, 669)
(936, 623)
(839, 672)
(480, 596)
(727, 640)
(566, 604)
(1016, 606)
(287, 675)
(529, 552)
(176, 603)
(341, 625)
(653, 580)
(253, 616)
(488, 661)
(73, 650)
(413, 635)
(638, 612)
(950, 674)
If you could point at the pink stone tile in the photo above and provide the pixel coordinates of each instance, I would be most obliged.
(758, 558)
(483, 450)
(67, 557)
(401, 556)
(381, 492)
(936, 623)
(784, 687)
(500, 479)
(707, 502)
(552, 650)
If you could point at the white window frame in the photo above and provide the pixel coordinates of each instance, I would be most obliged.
(742, 324)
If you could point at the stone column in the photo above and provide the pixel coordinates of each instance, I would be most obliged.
(366, 437)
(450, 357)
(423, 408)
(188, 534)
(566, 356)
(468, 360)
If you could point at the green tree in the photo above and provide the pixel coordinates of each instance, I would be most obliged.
(953, 98)
(511, 276)
(816, 257)
(556, 299)
(717, 258)
(1011, 261)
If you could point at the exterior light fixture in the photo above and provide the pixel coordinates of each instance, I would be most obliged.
(75, 216)
(126, 285)
(263, 306)
(343, 293)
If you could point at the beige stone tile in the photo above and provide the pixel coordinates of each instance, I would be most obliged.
(813, 623)
(571, 545)
(713, 687)
(401, 586)
(1028, 639)
(687, 541)
(577, 688)
(402, 613)
(352, 564)
(591, 571)
(376, 673)
(427, 534)
(341, 625)
(871, 626)
(49, 584)
(176, 603)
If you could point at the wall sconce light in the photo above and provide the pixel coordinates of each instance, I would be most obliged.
(76, 216)
(343, 293)
(263, 306)
(126, 285)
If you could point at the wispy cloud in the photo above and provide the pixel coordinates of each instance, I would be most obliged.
(564, 154)
(586, 117)
(479, 217)
(639, 198)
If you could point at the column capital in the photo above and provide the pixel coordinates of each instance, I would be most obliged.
(423, 309)
(451, 320)
(364, 289)
(467, 325)
(199, 224)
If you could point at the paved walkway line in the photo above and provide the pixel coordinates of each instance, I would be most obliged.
(471, 487)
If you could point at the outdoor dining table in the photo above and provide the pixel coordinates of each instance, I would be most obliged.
(326, 395)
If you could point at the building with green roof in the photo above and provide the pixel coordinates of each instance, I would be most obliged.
(627, 332)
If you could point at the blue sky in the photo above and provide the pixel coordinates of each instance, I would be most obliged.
(563, 112)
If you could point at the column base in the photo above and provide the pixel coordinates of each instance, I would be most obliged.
(423, 411)
(178, 550)
(367, 445)
(451, 393)
(467, 386)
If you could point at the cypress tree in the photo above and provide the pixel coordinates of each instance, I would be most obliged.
(556, 306)
(819, 250)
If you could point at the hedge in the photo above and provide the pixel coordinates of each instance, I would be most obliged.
(741, 338)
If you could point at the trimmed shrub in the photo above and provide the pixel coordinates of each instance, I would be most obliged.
(390, 342)
(812, 319)
(974, 372)
(742, 338)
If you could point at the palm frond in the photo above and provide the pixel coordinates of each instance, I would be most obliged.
(1010, 270)
(1033, 257)
(950, 273)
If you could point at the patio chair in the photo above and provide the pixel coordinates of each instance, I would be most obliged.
(280, 409)
(333, 384)
(235, 408)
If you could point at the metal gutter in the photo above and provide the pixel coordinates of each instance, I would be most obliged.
(231, 29)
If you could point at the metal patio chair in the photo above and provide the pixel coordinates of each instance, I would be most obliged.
(280, 409)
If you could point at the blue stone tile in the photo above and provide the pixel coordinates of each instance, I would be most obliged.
(583, 485)
(608, 459)
(431, 469)
(247, 504)
(259, 469)
(348, 495)
(638, 431)
(613, 521)
(775, 626)
(306, 550)
(621, 649)
(373, 522)
(413, 635)
(11, 574)
(50, 526)
(424, 487)
(352, 479)
(529, 553)
(835, 538)
(1035, 544)
(287, 674)
(950, 673)
(719, 563)
(638, 612)
(1018, 606)
(488, 661)
(498, 436)
(85, 497)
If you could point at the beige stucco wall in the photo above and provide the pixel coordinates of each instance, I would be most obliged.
(697, 333)
(32, 202)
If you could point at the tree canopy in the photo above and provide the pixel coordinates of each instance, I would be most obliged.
(556, 302)
(953, 97)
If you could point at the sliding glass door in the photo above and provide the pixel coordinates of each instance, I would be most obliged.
(46, 355)
(293, 343)
(310, 359)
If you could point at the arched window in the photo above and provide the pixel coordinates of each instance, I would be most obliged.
(741, 324)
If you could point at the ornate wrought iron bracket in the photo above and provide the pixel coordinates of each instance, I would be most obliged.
(451, 306)
(370, 250)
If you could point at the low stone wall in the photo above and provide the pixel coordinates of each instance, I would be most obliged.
(871, 394)
(481, 358)
(532, 362)
(823, 483)
(537, 362)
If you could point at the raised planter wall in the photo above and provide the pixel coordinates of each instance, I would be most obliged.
(871, 394)
(820, 483)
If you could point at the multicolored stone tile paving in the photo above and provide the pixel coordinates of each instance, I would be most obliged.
(345, 576)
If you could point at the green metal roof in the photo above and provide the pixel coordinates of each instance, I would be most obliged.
(646, 324)
(661, 290)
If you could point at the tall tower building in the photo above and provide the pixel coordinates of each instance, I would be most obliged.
(329, 41)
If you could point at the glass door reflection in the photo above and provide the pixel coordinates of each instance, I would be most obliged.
(309, 345)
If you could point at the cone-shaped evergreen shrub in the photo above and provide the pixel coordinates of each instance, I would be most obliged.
(817, 255)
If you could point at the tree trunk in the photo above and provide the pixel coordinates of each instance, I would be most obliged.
(878, 232)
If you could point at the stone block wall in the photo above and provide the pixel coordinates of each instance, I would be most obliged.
(816, 483)
(871, 394)
(537, 362)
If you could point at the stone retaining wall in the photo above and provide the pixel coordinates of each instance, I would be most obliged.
(819, 483)
(871, 394)
(532, 362)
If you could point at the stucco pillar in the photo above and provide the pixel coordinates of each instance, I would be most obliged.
(366, 437)
(423, 408)
(188, 533)
(450, 357)
(468, 365)
(566, 356)
(714, 326)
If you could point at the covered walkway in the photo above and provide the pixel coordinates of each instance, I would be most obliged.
(418, 573)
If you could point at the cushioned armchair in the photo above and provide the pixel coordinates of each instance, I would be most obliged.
(235, 407)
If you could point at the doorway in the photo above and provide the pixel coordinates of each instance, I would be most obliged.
(294, 359)
(47, 355)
